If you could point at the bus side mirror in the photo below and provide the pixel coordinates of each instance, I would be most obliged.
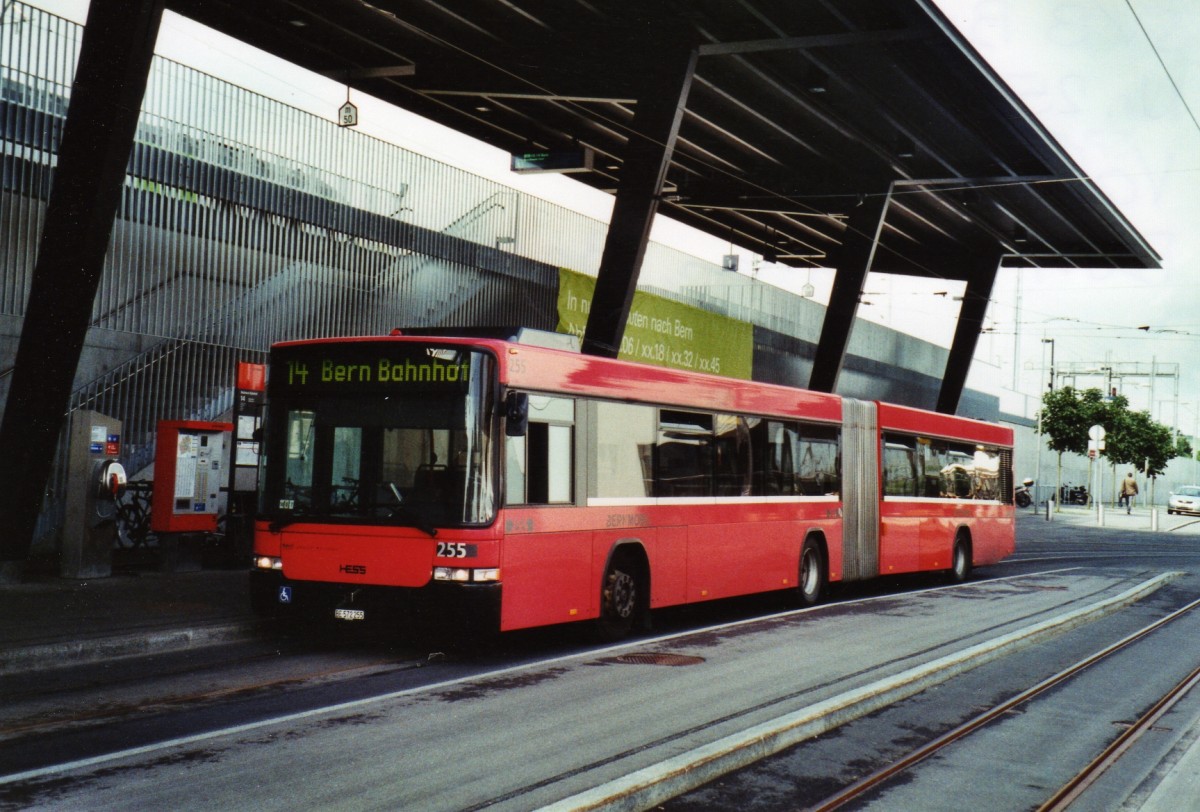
(516, 414)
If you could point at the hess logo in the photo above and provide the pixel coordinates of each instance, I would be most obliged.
(353, 569)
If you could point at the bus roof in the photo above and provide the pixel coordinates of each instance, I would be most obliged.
(549, 370)
(934, 424)
(543, 369)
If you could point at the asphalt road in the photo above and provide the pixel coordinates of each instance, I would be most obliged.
(547, 716)
(1018, 761)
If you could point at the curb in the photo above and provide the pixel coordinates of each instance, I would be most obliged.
(653, 785)
(45, 656)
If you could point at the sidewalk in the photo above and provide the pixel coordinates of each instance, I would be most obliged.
(1138, 520)
(47, 622)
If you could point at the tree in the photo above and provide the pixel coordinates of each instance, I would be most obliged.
(1131, 438)
(1139, 441)
(1183, 448)
(1067, 414)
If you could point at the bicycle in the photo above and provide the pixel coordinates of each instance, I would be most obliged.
(133, 516)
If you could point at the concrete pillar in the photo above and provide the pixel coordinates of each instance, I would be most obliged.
(655, 128)
(981, 276)
(110, 80)
(852, 263)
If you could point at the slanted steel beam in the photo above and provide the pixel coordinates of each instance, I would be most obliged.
(855, 39)
(852, 263)
(981, 272)
(110, 80)
(656, 126)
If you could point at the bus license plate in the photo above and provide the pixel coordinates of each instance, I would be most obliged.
(349, 614)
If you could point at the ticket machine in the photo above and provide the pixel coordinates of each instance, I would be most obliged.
(189, 462)
(95, 480)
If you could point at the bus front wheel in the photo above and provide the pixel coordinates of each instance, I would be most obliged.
(620, 599)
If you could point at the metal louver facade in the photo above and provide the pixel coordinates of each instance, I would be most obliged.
(245, 221)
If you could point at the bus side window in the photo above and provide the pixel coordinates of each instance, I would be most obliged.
(773, 457)
(540, 466)
(624, 437)
(901, 466)
(949, 470)
(817, 471)
(987, 473)
(732, 458)
(683, 457)
(514, 470)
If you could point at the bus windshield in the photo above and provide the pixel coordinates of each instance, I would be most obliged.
(373, 434)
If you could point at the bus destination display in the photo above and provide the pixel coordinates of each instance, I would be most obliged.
(369, 367)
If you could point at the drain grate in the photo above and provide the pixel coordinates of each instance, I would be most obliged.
(657, 658)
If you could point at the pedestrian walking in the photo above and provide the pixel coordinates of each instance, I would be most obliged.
(1129, 489)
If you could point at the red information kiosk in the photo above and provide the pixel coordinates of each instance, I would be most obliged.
(188, 475)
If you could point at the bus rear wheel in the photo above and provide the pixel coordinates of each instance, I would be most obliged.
(620, 599)
(812, 574)
(960, 563)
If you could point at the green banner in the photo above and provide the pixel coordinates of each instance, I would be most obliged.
(660, 331)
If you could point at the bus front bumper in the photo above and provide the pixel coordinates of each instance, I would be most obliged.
(437, 604)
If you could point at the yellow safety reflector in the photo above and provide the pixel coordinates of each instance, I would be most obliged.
(573, 612)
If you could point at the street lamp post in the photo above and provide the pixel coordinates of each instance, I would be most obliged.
(1037, 474)
(1050, 341)
(1194, 439)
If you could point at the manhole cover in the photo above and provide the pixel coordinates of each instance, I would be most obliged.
(657, 658)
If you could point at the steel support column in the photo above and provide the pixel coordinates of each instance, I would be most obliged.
(655, 125)
(853, 261)
(981, 277)
(110, 80)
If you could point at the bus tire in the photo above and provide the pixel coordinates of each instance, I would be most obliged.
(960, 560)
(621, 598)
(813, 577)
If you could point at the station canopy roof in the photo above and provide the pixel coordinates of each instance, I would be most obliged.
(798, 110)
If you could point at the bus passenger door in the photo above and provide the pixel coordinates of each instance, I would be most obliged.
(901, 536)
(668, 567)
(547, 575)
(937, 541)
(903, 509)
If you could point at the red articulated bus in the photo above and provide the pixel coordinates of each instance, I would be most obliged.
(518, 486)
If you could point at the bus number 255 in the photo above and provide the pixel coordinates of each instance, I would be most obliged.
(456, 549)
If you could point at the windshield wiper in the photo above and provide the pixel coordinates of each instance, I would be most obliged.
(415, 519)
(280, 522)
(412, 518)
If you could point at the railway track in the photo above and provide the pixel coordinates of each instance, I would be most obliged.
(1082, 780)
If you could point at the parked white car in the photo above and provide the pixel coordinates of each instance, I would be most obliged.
(1184, 500)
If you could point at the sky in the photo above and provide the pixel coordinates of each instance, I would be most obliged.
(1115, 82)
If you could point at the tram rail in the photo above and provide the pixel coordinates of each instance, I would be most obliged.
(1071, 790)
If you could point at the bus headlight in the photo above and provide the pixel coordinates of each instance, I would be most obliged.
(459, 574)
(464, 575)
(268, 562)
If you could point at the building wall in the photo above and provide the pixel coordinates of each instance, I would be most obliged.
(244, 221)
